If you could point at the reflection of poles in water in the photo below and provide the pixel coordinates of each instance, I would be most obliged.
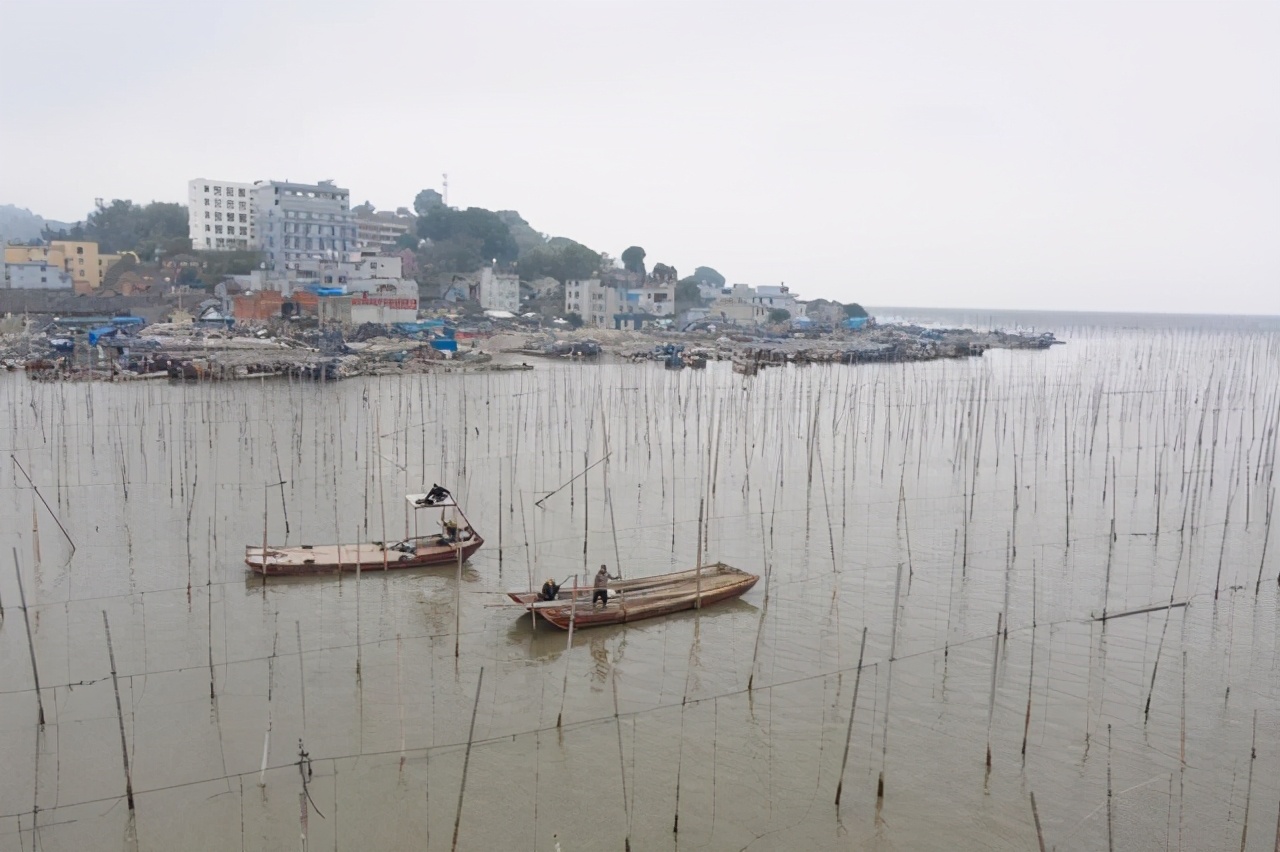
(622, 765)
(573, 613)
(600, 654)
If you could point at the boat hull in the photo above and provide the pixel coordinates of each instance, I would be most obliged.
(646, 597)
(372, 556)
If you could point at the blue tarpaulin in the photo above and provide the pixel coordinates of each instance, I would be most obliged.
(445, 345)
(128, 321)
(97, 334)
(855, 322)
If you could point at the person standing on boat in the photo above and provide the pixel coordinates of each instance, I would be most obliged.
(601, 592)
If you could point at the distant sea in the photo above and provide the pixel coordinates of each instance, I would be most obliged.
(1063, 323)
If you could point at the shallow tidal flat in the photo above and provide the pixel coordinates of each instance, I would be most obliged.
(960, 527)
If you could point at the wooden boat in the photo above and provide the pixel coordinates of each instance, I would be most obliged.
(642, 597)
(456, 543)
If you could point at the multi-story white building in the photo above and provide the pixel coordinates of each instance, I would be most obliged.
(300, 225)
(383, 228)
(498, 291)
(603, 305)
(768, 296)
(592, 300)
(220, 215)
(34, 275)
(577, 294)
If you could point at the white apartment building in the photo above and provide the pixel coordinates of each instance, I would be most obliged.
(772, 297)
(36, 275)
(300, 225)
(220, 215)
(592, 300)
(383, 228)
(498, 291)
(600, 304)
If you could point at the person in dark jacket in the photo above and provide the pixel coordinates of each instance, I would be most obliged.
(601, 592)
(550, 590)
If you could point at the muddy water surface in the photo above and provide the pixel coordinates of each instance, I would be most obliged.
(929, 505)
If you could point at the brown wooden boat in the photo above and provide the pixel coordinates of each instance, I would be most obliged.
(456, 543)
(642, 597)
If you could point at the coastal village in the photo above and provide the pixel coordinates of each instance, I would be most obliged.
(252, 279)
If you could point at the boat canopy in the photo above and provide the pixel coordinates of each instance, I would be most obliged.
(437, 497)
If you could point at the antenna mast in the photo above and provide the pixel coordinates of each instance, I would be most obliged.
(446, 188)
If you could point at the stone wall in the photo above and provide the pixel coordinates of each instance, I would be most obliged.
(152, 307)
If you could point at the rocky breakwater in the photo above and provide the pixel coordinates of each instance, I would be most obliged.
(882, 344)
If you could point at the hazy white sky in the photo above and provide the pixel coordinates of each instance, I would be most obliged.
(1093, 156)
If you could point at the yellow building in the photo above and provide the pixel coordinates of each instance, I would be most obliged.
(78, 258)
(35, 254)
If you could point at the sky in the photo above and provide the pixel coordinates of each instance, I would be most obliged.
(1106, 156)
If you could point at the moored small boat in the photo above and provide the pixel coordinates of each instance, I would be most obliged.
(456, 543)
(642, 597)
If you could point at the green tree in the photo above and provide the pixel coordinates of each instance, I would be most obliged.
(124, 226)
(687, 294)
(568, 261)
(778, 315)
(633, 260)
(365, 209)
(527, 239)
(407, 241)
(707, 275)
(853, 309)
(426, 201)
(216, 265)
(459, 254)
(473, 224)
(574, 319)
(662, 272)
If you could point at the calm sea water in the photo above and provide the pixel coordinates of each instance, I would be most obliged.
(972, 519)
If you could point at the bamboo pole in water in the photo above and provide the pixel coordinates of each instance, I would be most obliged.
(568, 645)
(991, 707)
(848, 737)
(115, 685)
(1248, 790)
(466, 760)
(697, 601)
(31, 645)
(1035, 815)
(1110, 829)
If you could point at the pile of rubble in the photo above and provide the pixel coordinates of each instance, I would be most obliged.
(52, 351)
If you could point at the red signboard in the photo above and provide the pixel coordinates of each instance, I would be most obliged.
(398, 304)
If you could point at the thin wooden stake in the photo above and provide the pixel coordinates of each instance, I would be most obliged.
(1110, 829)
(115, 684)
(466, 760)
(848, 737)
(31, 645)
(697, 601)
(1035, 814)
(995, 666)
(1248, 790)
